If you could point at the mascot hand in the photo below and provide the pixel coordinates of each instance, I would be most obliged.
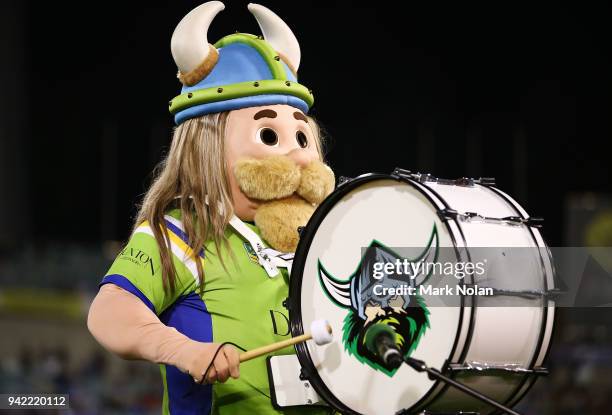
(195, 357)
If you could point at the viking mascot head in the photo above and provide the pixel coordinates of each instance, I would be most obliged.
(244, 146)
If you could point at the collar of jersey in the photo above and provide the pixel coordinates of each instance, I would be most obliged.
(267, 257)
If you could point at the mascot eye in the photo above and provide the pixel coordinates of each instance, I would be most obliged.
(301, 139)
(268, 136)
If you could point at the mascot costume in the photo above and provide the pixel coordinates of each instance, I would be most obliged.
(206, 268)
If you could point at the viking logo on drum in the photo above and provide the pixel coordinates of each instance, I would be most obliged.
(407, 315)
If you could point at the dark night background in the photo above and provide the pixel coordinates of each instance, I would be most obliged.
(520, 92)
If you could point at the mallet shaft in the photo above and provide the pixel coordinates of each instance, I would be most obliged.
(260, 351)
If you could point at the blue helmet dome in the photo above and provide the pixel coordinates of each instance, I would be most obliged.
(240, 70)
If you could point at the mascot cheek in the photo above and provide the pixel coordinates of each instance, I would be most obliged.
(279, 221)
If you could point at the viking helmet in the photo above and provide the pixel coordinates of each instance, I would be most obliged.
(240, 70)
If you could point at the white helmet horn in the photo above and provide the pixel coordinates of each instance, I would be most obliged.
(277, 33)
(189, 44)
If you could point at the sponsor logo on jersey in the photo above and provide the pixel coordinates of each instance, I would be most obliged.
(138, 257)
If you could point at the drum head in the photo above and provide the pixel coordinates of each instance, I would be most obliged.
(371, 218)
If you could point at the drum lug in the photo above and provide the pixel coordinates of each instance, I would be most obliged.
(303, 376)
(480, 367)
(285, 303)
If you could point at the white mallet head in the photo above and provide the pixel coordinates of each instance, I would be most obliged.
(321, 332)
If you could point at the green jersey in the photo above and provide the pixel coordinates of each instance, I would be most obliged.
(239, 303)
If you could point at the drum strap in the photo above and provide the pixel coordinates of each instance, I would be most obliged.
(270, 259)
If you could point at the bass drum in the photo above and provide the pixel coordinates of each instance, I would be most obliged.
(495, 344)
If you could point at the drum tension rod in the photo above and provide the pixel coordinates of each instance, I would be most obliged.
(532, 222)
(553, 293)
(426, 177)
(446, 214)
(484, 367)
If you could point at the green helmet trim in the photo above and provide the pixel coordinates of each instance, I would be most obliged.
(264, 48)
(239, 90)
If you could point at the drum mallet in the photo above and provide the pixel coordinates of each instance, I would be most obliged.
(320, 332)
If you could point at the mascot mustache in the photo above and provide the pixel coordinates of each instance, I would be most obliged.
(278, 177)
(289, 194)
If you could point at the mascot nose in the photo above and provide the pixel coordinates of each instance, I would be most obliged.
(301, 157)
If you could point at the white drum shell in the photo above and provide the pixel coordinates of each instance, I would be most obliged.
(509, 331)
